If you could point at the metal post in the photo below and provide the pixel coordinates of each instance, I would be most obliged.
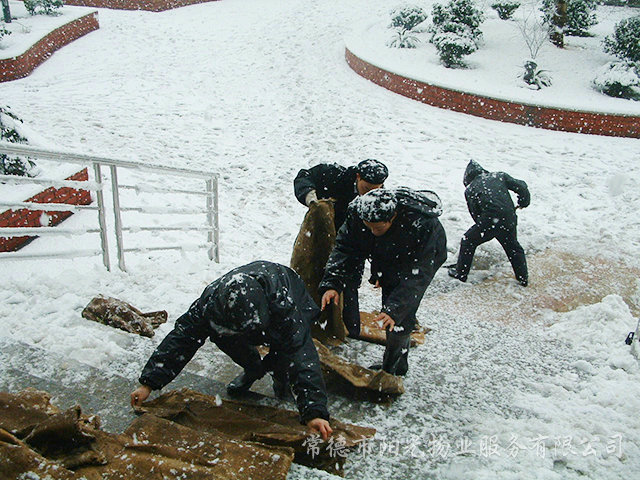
(5, 11)
(117, 217)
(102, 217)
(213, 236)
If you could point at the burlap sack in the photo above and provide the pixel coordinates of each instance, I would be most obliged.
(259, 423)
(311, 251)
(116, 313)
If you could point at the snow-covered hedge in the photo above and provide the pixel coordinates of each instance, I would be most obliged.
(505, 8)
(619, 79)
(456, 30)
(580, 15)
(46, 7)
(625, 41)
(404, 19)
(9, 126)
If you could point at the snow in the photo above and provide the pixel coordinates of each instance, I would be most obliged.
(256, 90)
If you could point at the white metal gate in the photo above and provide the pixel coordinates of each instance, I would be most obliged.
(206, 185)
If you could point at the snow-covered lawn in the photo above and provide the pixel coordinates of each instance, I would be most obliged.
(257, 89)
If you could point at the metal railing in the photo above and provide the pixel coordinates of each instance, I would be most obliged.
(98, 185)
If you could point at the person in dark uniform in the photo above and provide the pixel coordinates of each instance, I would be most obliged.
(494, 214)
(399, 231)
(261, 303)
(343, 184)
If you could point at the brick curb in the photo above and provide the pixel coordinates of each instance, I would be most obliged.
(25, 217)
(22, 65)
(504, 111)
(149, 5)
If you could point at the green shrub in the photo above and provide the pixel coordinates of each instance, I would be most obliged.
(46, 7)
(404, 19)
(456, 30)
(3, 31)
(580, 15)
(452, 47)
(619, 79)
(407, 17)
(461, 12)
(625, 41)
(505, 8)
(8, 132)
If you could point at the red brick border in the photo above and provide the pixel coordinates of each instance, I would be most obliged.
(22, 65)
(31, 218)
(151, 5)
(505, 111)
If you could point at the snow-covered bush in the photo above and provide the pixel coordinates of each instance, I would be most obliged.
(452, 47)
(46, 7)
(460, 13)
(3, 31)
(625, 42)
(455, 30)
(619, 79)
(534, 77)
(505, 8)
(403, 20)
(580, 16)
(9, 133)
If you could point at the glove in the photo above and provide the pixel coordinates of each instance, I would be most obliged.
(310, 198)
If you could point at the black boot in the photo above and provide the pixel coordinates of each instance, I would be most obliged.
(453, 272)
(241, 384)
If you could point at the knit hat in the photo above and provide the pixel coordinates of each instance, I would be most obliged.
(372, 171)
(378, 205)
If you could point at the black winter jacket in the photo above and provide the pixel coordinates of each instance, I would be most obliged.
(488, 197)
(263, 303)
(404, 259)
(329, 181)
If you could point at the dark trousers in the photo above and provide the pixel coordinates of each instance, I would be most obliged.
(351, 310)
(506, 234)
(396, 354)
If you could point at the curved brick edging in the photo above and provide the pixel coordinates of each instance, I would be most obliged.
(31, 218)
(22, 65)
(150, 5)
(531, 115)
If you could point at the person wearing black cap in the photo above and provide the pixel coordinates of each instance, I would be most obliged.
(261, 303)
(492, 210)
(399, 232)
(343, 184)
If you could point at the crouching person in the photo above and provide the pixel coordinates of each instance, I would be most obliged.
(399, 232)
(261, 303)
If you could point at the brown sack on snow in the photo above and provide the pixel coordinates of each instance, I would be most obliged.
(116, 313)
(353, 379)
(226, 458)
(18, 460)
(155, 449)
(24, 410)
(371, 331)
(259, 423)
(311, 251)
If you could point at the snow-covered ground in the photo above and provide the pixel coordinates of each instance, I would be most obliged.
(255, 90)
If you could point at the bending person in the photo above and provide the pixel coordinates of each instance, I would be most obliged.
(494, 214)
(261, 303)
(398, 230)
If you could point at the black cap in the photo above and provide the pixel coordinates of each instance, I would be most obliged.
(372, 171)
(378, 205)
